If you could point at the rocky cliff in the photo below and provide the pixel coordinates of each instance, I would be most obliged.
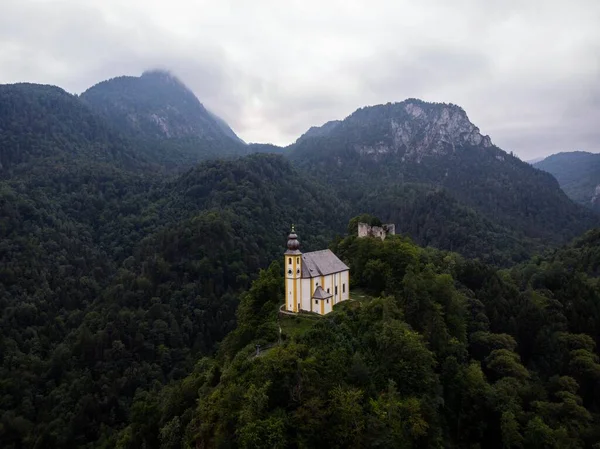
(160, 110)
(379, 148)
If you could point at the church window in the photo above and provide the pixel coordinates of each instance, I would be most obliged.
(298, 271)
(336, 289)
(327, 290)
(290, 260)
(289, 271)
(297, 260)
(317, 283)
(343, 288)
(327, 301)
(316, 301)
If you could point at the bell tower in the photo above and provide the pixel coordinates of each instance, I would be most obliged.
(293, 270)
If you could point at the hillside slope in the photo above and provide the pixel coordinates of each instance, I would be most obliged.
(165, 116)
(119, 281)
(107, 278)
(44, 123)
(578, 174)
(434, 351)
(436, 144)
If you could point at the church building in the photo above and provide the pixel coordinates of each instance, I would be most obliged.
(315, 281)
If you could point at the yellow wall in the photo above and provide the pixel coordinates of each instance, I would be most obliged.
(295, 287)
(302, 289)
(293, 282)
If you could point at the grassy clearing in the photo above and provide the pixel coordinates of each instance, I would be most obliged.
(296, 325)
(347, 305)
(358, 294)
(293, 326)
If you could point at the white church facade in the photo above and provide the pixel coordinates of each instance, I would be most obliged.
(315, 281)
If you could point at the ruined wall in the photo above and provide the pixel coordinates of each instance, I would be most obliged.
(365, 230)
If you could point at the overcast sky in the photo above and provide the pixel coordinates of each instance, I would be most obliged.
(526, 72)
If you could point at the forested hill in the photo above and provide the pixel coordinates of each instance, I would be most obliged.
(70, 143)
(160, 111)
(44, 125)
(147, 123)
(388, 146)
(434, 351)
(578, 174)
(123, 261)
(112, 284)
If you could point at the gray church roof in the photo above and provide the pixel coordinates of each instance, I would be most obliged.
(321, 263)
(321, 294)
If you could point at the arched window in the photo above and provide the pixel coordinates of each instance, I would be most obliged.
(290, 260)
(297, 260)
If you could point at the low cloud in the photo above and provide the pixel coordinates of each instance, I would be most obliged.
(526, 72)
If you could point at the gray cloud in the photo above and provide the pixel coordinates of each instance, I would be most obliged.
(525, 71)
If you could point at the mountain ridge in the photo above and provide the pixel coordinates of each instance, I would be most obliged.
(161, 112)
(120, 285)
(435, 143)
(40, 121)
(413, 148)
(449, 123)
(578, 173)
(111, 97)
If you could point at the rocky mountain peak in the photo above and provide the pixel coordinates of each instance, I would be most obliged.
(412, 129)
(157, 105)
(435, 128)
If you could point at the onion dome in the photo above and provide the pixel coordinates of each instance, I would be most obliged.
(293, 244)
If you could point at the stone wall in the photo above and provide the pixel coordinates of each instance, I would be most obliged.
(365, 230)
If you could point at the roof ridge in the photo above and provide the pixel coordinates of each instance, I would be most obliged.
(320, 293)
(321, 263)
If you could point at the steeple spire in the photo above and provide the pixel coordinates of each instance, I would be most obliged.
(293, 245)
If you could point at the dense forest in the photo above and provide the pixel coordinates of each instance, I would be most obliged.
(137, 276)
(578, 173)
(441, 352)
(163, 118)
(154, 273)
(383, 148)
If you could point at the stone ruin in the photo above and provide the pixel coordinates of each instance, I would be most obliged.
(366, 230)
